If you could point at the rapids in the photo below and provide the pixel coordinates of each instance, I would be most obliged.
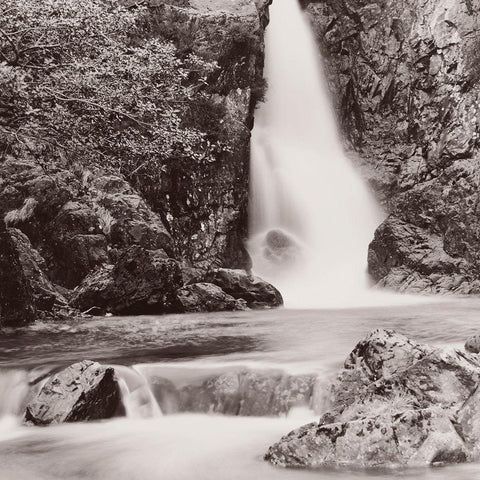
(149, 444)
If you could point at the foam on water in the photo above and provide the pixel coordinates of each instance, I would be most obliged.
(312, 217)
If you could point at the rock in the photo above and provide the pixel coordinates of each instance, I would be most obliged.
(473, 344)
(17, 303)
(81, 392)
(78, 246)
(126, 218)
(407, 258)
(395, 402)
(249, 393)
(237, 283)
(411, 438)
(205, 297)
(141, 282)
(44, 292)
(404, 78)
(280, 248)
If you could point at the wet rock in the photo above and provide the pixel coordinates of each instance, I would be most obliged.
(205, 297)
(83, 391)
(240, 285)
(249, 393)
(280, 248)
(45, 293)
(395, 402)
(410, 438)
(142, 281)
(473, 344)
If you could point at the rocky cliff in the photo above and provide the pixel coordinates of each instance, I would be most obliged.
(405, 76)
(91, 233)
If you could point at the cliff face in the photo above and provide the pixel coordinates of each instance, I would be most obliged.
(205, 205)
(405, 75)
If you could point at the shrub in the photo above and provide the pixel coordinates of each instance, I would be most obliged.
(78, 84)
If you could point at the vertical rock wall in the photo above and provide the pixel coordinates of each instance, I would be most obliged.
(405, 76)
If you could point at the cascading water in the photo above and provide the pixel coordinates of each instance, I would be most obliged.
(312, 217)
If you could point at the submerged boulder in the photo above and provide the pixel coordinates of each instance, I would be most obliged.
(395, 402)
(142, 281)
(240, 285)
(205, 297)
(83, 391)
(249, 393)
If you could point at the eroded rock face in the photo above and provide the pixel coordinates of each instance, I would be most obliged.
(240, 285)
(404, 76)
(83, 391)
(17, 303)
(396, 402)
(205, 297)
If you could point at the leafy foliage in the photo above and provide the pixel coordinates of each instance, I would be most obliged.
(79, 84)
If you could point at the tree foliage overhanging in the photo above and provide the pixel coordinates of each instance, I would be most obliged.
(80, 83)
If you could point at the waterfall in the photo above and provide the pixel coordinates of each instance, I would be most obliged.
(311, 215)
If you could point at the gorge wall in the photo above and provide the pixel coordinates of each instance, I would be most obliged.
(405, 78)
(76, 224)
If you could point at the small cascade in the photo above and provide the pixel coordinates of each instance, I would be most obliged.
(311, 215)
(13, 392)
(137, 396)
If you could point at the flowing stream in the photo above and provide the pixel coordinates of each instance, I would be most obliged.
(180, 425)
(312, 217)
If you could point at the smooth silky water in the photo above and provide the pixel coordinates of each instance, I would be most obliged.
(147, 444)
(312, 219)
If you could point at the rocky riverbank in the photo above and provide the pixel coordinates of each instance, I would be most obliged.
(395, 403)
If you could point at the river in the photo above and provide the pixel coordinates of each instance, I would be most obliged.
(186, 349)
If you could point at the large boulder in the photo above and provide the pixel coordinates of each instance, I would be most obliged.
(83, 391)
(142, 281)
(407, 258)
(239, 284)
(395, 402)
(411, 438)
(78, 244)
(126, 218)
(17, 303)
(205, 297)
(45, 293)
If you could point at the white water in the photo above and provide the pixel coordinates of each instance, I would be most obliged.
(301, 181)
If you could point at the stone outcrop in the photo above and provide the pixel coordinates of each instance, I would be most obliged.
(17, 304)
(83, 391)
(404, 76)
(141, 281)
(205, 297)
(240, 285)
(396, 402)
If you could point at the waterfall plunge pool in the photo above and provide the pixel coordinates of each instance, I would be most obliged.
(200, 446)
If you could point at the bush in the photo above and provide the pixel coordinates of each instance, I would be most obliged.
(78, 84)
